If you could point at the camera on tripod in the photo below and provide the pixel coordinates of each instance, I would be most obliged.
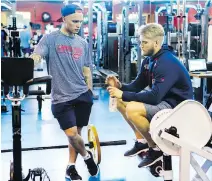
(14, 40)
(14, 34)
(13, 29)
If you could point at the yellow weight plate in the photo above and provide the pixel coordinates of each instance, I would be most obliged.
(94, 139)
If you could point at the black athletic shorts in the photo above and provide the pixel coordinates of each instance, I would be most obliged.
(75, 112)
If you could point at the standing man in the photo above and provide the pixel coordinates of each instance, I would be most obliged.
(169, 84)
(70, 65)
(4, 38)
(25, 37)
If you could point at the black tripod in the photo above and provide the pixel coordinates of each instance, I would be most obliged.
(23, 67)
(14, 40)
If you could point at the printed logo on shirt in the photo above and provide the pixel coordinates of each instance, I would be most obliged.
(161, 80)
(153, 81)
(75, 51)
(63, 48)
(146, 66)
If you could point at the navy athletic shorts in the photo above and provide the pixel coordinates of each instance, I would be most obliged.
(75, 112)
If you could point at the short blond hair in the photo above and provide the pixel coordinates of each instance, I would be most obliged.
(152, 31)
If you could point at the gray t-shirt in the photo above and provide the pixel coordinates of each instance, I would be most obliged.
(66, 57)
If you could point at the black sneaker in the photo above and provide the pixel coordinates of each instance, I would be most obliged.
(152, 157)
(91, 165)
(137, 149)
(71, 173)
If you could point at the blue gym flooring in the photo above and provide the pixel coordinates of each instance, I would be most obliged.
(41, 129)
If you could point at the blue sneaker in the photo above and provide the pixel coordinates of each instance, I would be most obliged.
(91, 165)
(152, 157)
(137, 149)
(72, 174)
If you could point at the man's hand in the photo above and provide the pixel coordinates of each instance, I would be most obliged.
(115, 92)
(37, 58)
(113, 81)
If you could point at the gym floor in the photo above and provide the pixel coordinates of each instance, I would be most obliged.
(41, 129)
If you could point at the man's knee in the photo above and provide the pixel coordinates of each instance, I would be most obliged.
(71, 133)
(120, 105)
(134, 109)
(79, 130)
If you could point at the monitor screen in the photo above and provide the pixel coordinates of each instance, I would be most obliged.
(197, 64)
(16, 71)
(112, 27)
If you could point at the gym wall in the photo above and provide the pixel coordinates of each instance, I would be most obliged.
(37, 8)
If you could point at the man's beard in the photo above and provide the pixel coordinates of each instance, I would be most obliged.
(69, 32)
(150, 52)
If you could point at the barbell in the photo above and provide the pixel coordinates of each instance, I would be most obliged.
(93, 143)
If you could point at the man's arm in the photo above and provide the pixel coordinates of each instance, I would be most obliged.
(88, 77)
(88, 68)
(41, 51)
(140, 81)
(164, 81)
(137, 85)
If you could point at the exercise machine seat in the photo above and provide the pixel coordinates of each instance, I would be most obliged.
(192, 121)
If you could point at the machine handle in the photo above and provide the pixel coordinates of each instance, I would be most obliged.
(14, 99)
(44, 79)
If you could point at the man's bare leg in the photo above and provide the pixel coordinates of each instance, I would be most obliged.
(72, 153)
(76, 141)
(136, 114)
(78, 146)
(122, 109)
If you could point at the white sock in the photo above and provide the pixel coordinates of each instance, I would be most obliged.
(142, 141)
(87, 156)
(156, 148)
(70, 164)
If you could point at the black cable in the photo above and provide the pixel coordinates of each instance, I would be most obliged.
(209, 101)
(46, 175)
(40, 172)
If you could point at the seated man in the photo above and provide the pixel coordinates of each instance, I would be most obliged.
(169, 84)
